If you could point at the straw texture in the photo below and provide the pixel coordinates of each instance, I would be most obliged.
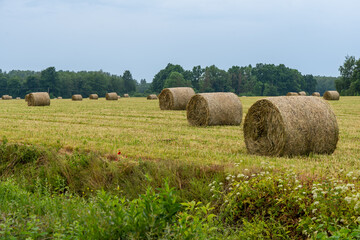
(209, 109)
(76, 97)
(93, 97)
(111, 96)
(331, 95)
(39, 99)
(175, 98)
(286, 126)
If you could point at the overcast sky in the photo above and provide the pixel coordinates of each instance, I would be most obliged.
(143, 36)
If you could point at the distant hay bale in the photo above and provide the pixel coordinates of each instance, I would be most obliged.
(126, 95)
(315, 94)
(76, 97)
(152, 97)
(59, 98)
(302, 93)
(18, 98)
(175, 98)
(27, 97)
(209, 109)
(292, 94)
(284, 126)
(331, 95)
(93, 96)
(39, 99)
(6, 97)
(111, 96)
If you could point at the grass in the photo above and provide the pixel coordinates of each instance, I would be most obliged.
(140, 129)
(71, 148)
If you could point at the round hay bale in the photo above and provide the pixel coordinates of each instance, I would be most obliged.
(302, 93)
(111, 96)
(76, 97)
(152, 97)
(126, 95)
(39, 99)
(59, 98)
(209, 109)
(331, 95)
(315, 94)
(119, 97)
(93, 96)
(283, 126)
(27, 97)
(292, 94)
(175, 98)
(6, 97)
(18, 98)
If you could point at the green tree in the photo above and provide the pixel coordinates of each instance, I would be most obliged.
(129, 82)
(159, 79)
(215, 80)
(50, 79)
(176, 80)
(346, 71)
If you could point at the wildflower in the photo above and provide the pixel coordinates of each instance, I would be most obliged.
(237, 193)
(230, 188)
(246, 182)
(349, 174)
(314, 218)
(280, 186)
(316, 203)
(227, 178)
(240, 175)
(246, 169)
(300, 186)
(314, 210)
(348, 199)
(220, 183)
(119, 152)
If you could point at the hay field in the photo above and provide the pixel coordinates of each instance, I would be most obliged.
(140, 130)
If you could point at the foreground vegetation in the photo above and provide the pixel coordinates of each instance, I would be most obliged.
(125, 169)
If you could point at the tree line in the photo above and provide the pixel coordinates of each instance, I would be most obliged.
(261, 80)
(349, 82)
(66, 83)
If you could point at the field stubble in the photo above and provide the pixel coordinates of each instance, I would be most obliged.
(140, 130)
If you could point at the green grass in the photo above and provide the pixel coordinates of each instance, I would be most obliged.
(139, 129)
(71, 149)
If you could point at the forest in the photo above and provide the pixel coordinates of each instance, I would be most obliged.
(259, 80)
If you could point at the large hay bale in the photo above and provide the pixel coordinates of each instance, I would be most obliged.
(209, 109)
(292, 94)
(93, 96)
(76, 97)
(39, 99)
(126, 95)
(284, 126)
(152, 97)
(27, 97)
(112, 96)
(331, 95)
(175, 98)
(302, 93)
(6, 97)
(315, 94)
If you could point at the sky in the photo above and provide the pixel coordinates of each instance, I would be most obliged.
(143, 36)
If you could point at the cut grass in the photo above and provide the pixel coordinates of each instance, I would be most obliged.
(140, 129)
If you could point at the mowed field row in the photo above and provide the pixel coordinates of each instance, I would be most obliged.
(140, 130)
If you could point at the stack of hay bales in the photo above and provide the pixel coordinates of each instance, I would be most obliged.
(209, 109)
(175, 98)
(93, 96)
(76, 97)
(331, 95)
(126, 95)
(292, 94)
(111, 96)
(152, 97)
(302, 93)
(283, 126)
(6, 97)
(39, 99)
(315, 94)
